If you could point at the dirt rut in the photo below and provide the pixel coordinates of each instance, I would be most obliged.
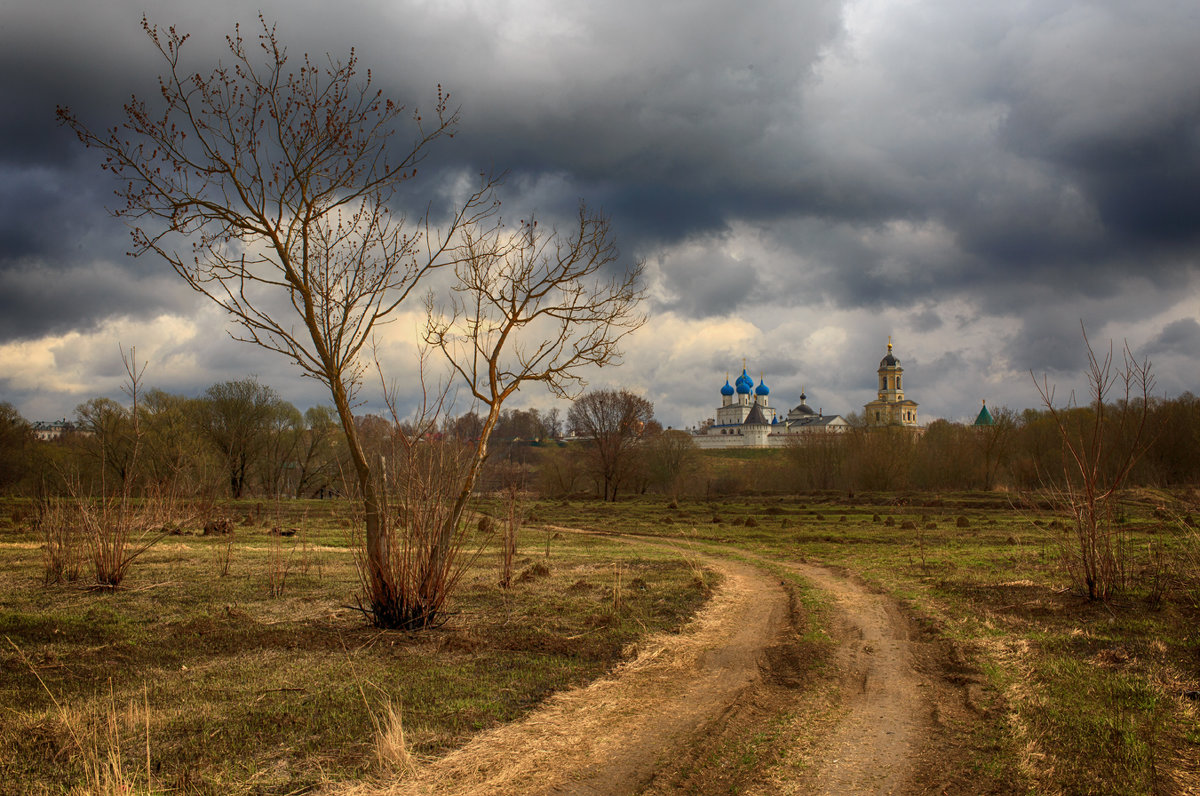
(625, 732)
(887, 715)
(609, 737)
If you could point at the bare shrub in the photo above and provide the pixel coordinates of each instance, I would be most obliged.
(514, 482)
(62, 541)
(407, 587)
(1100, 443)
(117, 528)
(279, 565)
(223, 556)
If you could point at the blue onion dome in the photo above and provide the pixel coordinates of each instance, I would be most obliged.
(762, 388)
(744, 383)
(727, 390)
(775, 422)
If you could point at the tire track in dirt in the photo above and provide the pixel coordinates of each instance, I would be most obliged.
(616, 734)
(873, 749)
(609, 736)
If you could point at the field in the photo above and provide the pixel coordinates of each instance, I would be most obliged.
(265, 678)
(1081, 697)
(240, 665)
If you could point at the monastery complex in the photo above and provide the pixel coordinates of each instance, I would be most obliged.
(746, 419)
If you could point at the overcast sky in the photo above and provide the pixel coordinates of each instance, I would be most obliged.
(802, 178)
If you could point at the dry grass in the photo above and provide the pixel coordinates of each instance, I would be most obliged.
(96, 741)
(391, 747)
(579, 728)
(246, 692)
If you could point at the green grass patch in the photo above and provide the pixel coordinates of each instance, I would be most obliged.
(1089, 697)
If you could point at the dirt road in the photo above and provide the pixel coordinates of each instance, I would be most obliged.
(737, 701)
(887, 716)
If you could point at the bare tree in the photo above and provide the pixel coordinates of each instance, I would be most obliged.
(269, 188)
(237, 419)
(174, 456)
(612, 421)
(994, 443)
(1101, 443)
(317, 452)
(16, 445)
(108, 439)
(672, 454)
(532, 306)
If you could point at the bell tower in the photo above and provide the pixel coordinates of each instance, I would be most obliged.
(890, 373)
(891, 408)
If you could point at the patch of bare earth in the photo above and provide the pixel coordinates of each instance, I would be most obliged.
(741, 702)
(610, 736)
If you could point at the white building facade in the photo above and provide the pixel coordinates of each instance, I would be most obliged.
(746, 419)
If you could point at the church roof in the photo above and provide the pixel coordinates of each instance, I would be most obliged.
(889, 361)
(816, 421)
(756, 417)
(985, 417)
(744, 383)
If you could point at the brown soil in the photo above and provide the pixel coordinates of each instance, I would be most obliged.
(741, 702)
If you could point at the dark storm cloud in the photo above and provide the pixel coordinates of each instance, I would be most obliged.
(1178, 337)
(715, 284)
(1056, 149)
(1036, 163)
(38, 299)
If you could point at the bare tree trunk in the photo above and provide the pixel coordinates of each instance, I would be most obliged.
(376, 531)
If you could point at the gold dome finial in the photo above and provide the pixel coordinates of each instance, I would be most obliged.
(889, 344)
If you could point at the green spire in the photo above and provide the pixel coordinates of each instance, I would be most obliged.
(985, 417)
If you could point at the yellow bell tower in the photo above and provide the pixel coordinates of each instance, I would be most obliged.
(891, 408)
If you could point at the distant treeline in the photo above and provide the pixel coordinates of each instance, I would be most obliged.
(240, 439)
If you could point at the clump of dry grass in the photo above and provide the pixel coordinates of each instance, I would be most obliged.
(391, 748)
(97, 741)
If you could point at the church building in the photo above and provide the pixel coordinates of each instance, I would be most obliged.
(746, 419)
(891, 408)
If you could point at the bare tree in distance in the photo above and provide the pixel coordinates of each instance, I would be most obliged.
(266, 184)
(672, 454)
(612, 421)
(1101, 443)
(532, 306)
(236, 418)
